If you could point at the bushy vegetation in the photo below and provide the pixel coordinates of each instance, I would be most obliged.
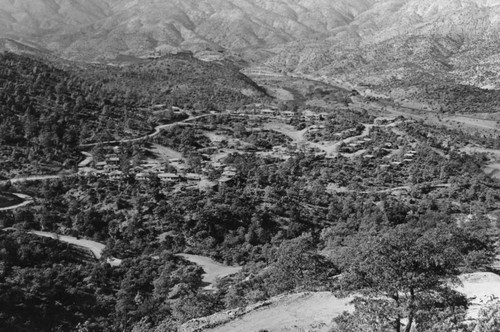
(46, 112)
(180, 81)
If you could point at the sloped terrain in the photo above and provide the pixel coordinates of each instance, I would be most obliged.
(104, 29)
(404, 47)
(294, 312)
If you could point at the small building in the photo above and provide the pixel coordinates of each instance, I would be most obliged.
(278, 148)
(229, 174)
(307, 114)
(225, 180)
(169, 177)
(141, 176)
(100, 165)
(113, 160)
(192, 177)
(218, 165)
(116, 175)
(111, 168)
(267, 112)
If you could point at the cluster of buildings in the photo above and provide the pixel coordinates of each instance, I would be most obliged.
(358, 145)
(274, 113)
(407, 158)
(292, 149)
(112, 168)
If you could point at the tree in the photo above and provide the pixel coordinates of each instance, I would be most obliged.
(404, 275)
(298, 265)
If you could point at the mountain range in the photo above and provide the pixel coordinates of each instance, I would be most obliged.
(385, 43)
(105, 28)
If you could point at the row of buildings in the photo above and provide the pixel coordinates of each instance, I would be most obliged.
(273, 113)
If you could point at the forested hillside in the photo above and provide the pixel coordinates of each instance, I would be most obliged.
(179, 80)
(279, 222)
(48, 109)
(46, 112)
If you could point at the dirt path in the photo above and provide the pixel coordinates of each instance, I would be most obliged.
(213, 270)
(297, 136)
(157, 130)
(88, 159)
(27, 201)
(389, 190)
(95, 247)
(34, 178)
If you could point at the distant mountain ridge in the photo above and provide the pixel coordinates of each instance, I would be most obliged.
(390, 44)
(403, 46)
(105, 28)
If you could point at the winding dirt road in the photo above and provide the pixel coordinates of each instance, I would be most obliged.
(95, 247)
(27, 201)
(156, 132)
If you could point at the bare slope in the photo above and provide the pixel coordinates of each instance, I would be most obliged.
(407, 43)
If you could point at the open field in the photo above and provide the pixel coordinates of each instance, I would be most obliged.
(479, 287)
(164, 153)
(492, 168)
(311, 312)
(315, 311)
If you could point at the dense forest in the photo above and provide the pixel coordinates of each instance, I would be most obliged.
(47, 112)
(178, 80)
(274, 220)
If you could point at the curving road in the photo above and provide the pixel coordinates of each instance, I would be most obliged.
(27, 201)
(95, 247)
(35, 178)
(156, 132)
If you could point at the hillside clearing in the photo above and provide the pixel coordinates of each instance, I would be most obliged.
(311, 312)
(213, 270)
